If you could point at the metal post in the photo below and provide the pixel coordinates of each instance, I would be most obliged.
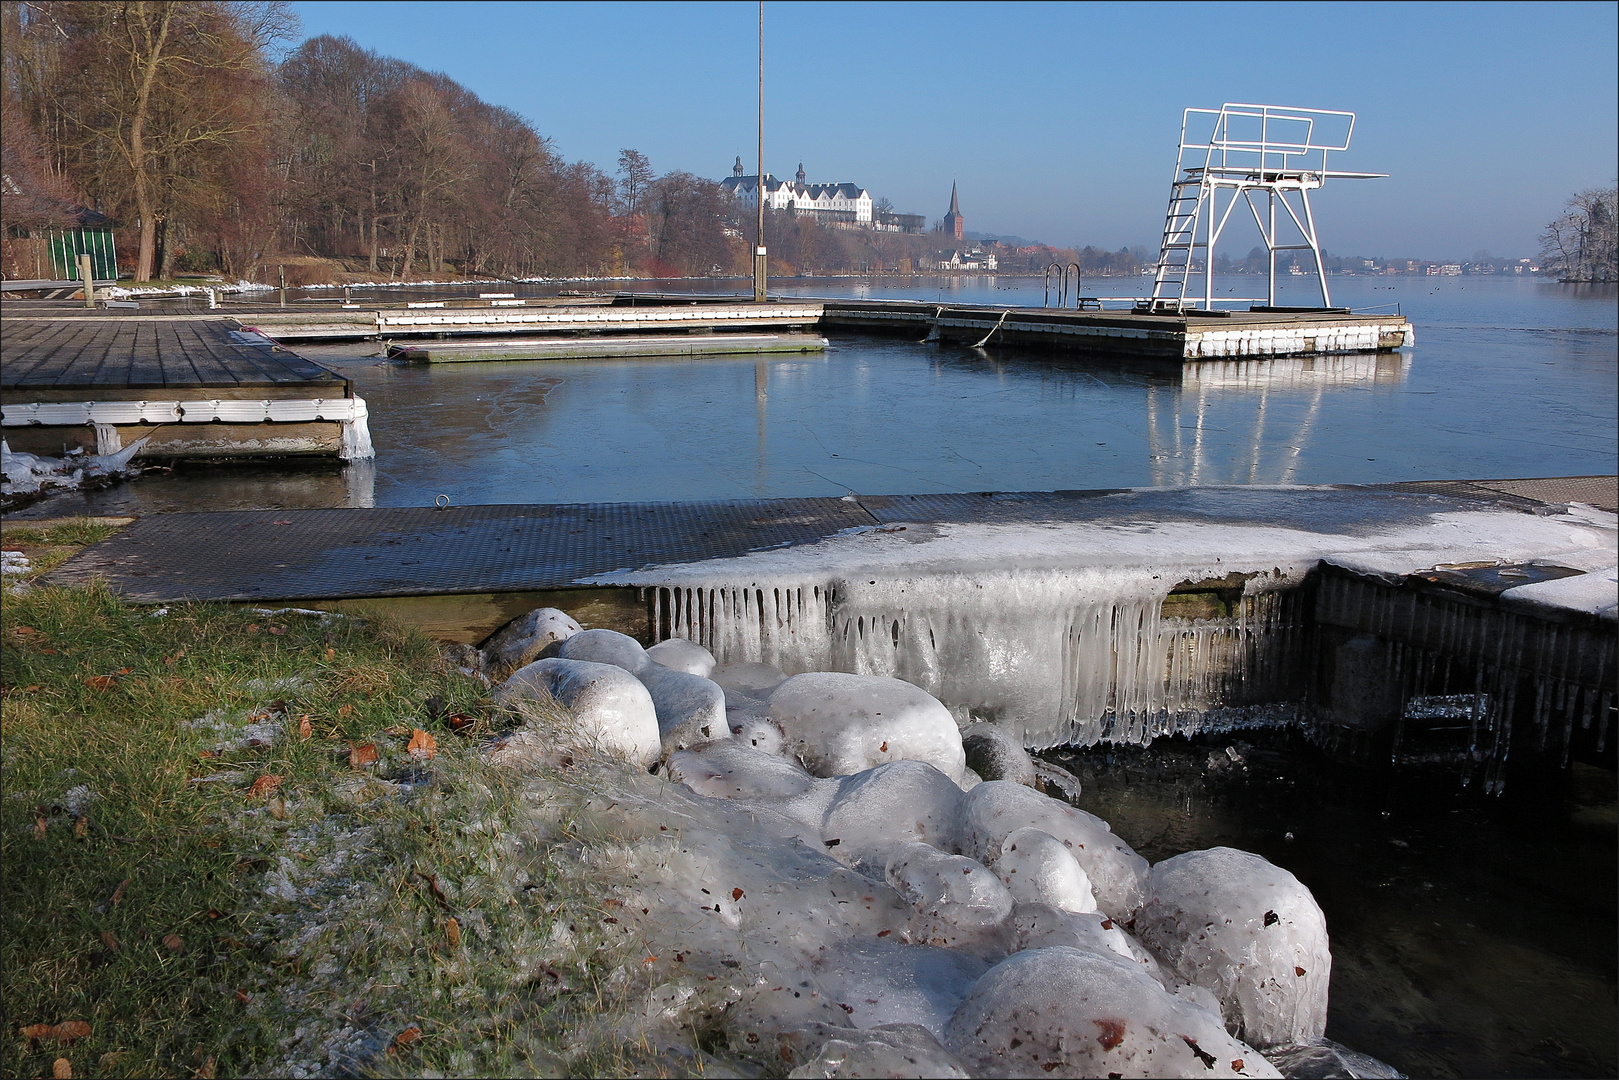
(87, 275)
(281, 271)
(760, 259)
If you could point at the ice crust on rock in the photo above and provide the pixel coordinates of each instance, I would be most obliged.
(1248, 931)
(881, 983)
(892, 1050)
(840, 920)
(690, 708)
(1070, 1012)
(605, 647)
(1039, 868)
(839, 723)
(956, 902)
(522, 640)
(609, 705)
(682, 655)
(994, 754)
(996, 808)
(752, 679)
(874, 811)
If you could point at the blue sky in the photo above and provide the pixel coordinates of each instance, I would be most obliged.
(1059, 121)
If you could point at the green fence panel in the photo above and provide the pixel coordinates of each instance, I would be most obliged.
(67, 246)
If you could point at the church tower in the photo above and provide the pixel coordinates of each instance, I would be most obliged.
(736, 170)
(953, 223)
(800, 174)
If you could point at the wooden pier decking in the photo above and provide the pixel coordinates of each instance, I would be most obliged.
(195, 387)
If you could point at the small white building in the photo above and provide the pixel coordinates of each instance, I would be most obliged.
(828, 202)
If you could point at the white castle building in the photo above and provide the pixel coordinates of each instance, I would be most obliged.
(828, 202)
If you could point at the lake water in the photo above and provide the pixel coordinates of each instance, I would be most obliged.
(1471, 937)
(1508, 377)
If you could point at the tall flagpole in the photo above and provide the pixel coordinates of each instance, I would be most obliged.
(759, 257)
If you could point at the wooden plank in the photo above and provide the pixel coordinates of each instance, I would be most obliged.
(204, 367)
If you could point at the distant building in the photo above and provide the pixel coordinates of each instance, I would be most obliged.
(976, 259)
(827, 202)
(954, 223)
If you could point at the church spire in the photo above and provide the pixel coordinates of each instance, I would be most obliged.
(953, 222)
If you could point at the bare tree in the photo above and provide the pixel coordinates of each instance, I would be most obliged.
(1581, 244)
(635, 173)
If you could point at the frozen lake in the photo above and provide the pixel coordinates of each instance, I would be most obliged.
(1509, 377)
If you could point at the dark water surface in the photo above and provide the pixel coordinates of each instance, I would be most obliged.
(1508, 378)
(1471, 937)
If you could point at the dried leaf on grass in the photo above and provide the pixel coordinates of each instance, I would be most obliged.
(118, 893)
(63, 1032)
(62, 1069)
(362, 754)
(173, 942)
(346, 711)
(264, 785)
(101, 682)
(81, 825)
(305, 729)
(405, 1038)
(422, 745)
(40, 825)
(109, 940)
(438, 893)
(452, 930)
(207, 1070)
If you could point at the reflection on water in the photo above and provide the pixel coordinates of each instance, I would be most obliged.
(1510, 378)
(1469, 937)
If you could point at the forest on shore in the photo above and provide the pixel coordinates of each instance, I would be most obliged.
(214, 140)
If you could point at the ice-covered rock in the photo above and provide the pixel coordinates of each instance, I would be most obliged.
(753, 680)
(1327, 1060)
(682, 655)
(691, 709)
(892, 1050)
(1068, 1012)
(840, 723)
(883, 982)
(1250, 932)
(877, 810)
(610, 707)
(758, 731)
(522, 640)
(994, 754)
(956, 902)
(1040, 926)
(731, 770)
(23, 475)
(605, 647)
(1039, 868)
(1056, 782)
(996, 808)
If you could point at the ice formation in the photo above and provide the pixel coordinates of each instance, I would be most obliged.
(1248, 931)
(848, 913)
(1058, 631)
(612, 707)
(25, 475)
(522, 640)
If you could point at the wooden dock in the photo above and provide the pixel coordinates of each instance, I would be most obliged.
(192, 387)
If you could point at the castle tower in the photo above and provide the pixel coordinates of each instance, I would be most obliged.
(953, 222)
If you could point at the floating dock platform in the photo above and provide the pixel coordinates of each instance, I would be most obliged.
(193, 388)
